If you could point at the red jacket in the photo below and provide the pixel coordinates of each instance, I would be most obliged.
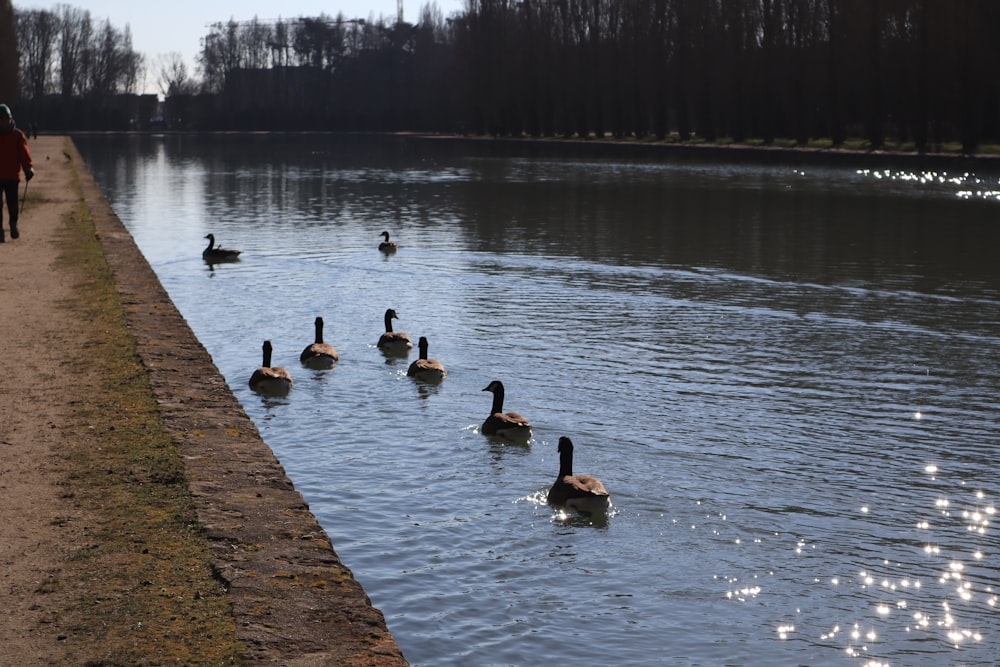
(14, 155)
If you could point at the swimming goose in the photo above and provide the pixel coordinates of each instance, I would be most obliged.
(393, 341)
(504, 424)
(428, 370)
(387, 245)
(215, 253)
(270, 380)
(319, 354)
(579, 492)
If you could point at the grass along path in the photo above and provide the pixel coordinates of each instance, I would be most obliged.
(139, 587)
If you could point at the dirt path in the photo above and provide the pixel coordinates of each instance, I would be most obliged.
(37, 386)
(293, 601)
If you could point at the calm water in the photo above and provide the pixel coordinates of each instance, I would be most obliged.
(787, 378)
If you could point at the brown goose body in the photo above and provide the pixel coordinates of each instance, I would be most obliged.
(387, 245)
(583, 493)
(397, 342)
(509, 425)
(318, 354)
(425, 369)
(214, 253)
(274, 381)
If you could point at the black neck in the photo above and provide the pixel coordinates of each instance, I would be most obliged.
(497, 401)
(565, 463)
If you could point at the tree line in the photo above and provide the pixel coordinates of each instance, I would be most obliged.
(916, 71)
(65, 52)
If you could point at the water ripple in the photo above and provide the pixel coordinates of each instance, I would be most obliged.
(796, 421)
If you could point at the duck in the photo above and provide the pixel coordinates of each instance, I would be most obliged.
(509, 425)
(275, 381)
(582, 493)
(397, 342)
(319, 355)
(213, 253)
(425, 369)
(387, 245)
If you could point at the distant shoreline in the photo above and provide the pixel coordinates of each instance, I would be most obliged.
(617, 148)
(730, 152)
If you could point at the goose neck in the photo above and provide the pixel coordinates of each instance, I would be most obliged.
(565, 463)
(497, 401)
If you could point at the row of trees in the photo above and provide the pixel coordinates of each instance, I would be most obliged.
(329, 73)
(65, 52)
(911, 70)
(920, 70)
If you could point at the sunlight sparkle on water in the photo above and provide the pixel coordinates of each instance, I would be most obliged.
(955, 584)
(966, 185)
(871, 635)
(942, 504)
(743, 593)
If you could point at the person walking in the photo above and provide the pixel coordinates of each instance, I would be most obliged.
(14, 158)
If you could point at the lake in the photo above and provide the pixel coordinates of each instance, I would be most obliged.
(785, 374)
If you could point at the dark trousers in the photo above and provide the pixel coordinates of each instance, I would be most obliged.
(9, 191)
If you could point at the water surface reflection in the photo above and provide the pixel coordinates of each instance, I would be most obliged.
(785, 375)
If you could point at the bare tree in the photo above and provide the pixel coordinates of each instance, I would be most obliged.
(220, 54)
(172, 75)
(75, 31)
(255, 40)
(38, 36)
(8, 53)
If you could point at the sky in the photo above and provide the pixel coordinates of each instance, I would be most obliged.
(163, 27)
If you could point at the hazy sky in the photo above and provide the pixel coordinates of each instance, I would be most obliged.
(160, 27)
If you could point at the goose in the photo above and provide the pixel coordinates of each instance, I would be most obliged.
(394, 341)
(504, 424)
(428, 370)
(319, 354)
(270, 380)
(215, 253)
(579, 492)
(387, 245)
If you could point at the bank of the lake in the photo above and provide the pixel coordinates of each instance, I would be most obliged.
(140, 502)
(737, 153)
